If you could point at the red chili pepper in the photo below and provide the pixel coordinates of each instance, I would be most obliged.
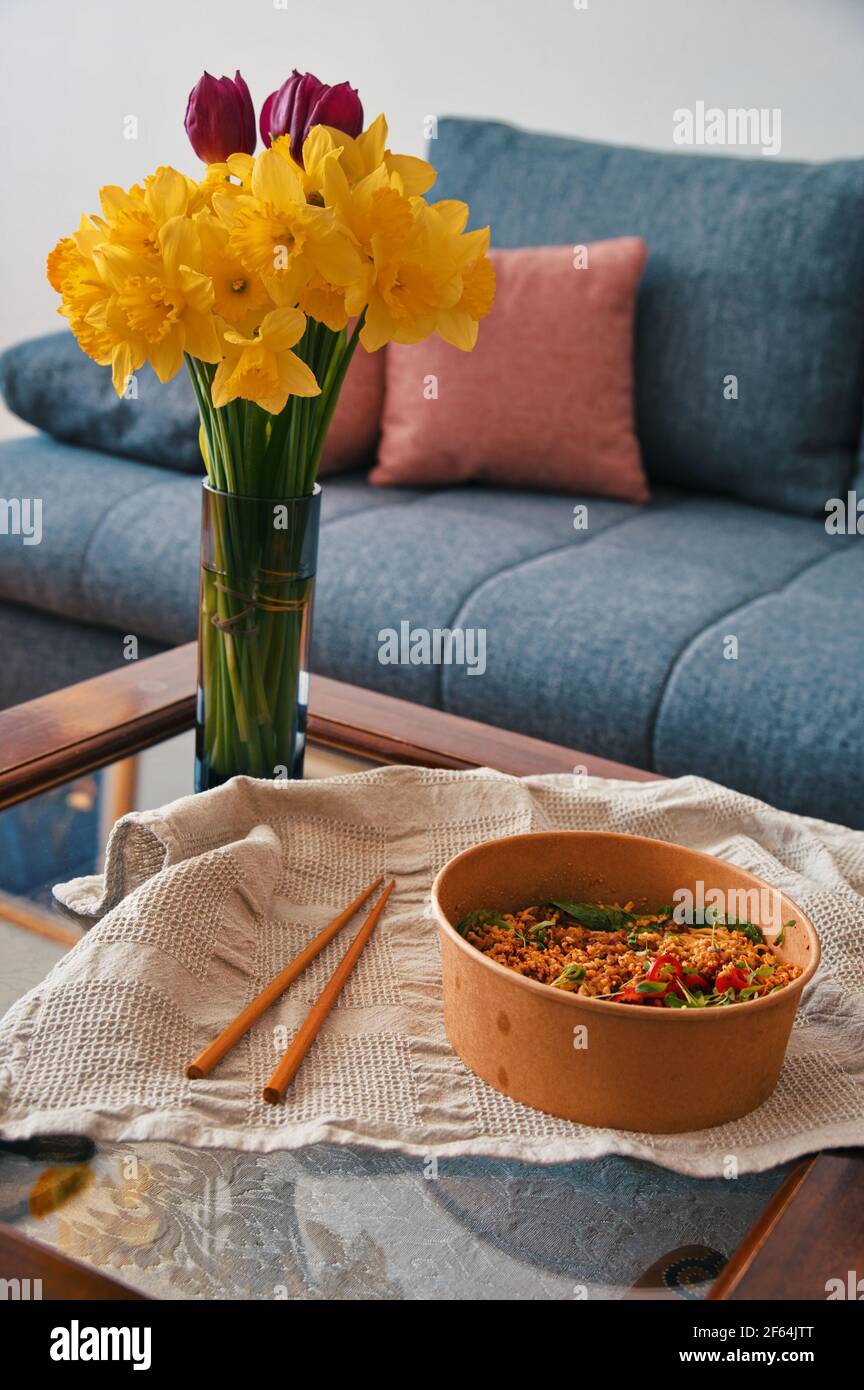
(665, 968)
(693, 981)
(732, 978)
(631, 995)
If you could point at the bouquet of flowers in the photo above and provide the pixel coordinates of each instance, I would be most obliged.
(264, 276)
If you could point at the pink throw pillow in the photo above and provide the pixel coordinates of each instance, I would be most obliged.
(545, 400)
(356, 423)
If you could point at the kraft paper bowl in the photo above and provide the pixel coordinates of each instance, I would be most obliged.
(662, 1071)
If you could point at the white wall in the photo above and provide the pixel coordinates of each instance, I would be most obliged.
(615, 71)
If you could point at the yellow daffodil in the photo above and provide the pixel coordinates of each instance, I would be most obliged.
(376, 207)
(239, 296)
(261, 367)
(417, 278)
(132, 219)
(75, 277)
(276, 234)
(84, 297)
(226, 270)
(325, 302)
(61, 261)
(460, 325)
(378, 216)
(232, 178)
(318, 151)
(359, 157)
(159, 308)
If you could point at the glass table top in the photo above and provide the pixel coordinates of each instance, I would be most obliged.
(324, 1222)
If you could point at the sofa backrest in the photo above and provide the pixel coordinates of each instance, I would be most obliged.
(750, 325)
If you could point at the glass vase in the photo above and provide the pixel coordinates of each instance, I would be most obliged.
(258, 562)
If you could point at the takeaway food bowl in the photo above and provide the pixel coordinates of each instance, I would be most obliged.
(593, 1061)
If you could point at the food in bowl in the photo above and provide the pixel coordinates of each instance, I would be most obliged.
(658, 1070)
(606, 951)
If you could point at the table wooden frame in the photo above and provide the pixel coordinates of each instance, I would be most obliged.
(813, 1227)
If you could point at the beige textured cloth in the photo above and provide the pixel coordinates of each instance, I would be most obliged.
(204, 901)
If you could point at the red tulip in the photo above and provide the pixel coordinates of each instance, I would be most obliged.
(220, 118)
(302, 102)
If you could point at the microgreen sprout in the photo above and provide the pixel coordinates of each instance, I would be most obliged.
(570, 973)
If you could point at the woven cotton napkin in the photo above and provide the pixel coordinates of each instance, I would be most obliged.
(204, 901)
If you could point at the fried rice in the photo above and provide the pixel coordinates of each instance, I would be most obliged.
(646, 959)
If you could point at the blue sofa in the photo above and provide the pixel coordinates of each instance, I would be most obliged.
(614, 639)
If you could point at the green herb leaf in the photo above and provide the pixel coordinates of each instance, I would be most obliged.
(482, 918)
(538, 934)
(570, 972)
(747, 929)
(651, 987)
(693, 999)
(597, 918)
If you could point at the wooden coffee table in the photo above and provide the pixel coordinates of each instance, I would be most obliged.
(812, 1226)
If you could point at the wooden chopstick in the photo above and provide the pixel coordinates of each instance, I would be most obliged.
(311, 1025)
(207, 1060)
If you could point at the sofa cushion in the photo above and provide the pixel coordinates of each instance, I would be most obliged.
(41, 652)
(544, 399)
(52, 384)
(120, 547)
(756, 273)
(437, 549)
(607, 619)
(120, 539)
(612, 639)
(787, 714)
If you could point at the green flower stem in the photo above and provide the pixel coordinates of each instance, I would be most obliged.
(224, 617)
(332, 385)
(255, 605)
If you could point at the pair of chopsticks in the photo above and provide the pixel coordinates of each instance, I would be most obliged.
(285, 1072)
